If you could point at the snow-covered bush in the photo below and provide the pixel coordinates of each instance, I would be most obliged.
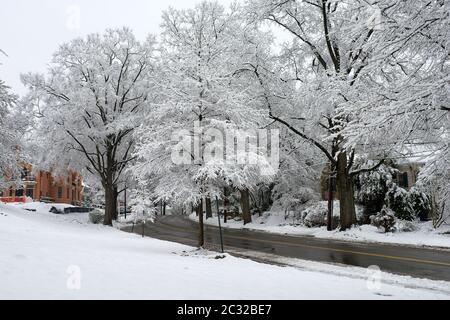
(398, 199)
(408, 205)
(407, 226)
(371, 189)
(385, 219)
(420, 202)
(377, 189)
(316, 215)
(293, 201)
(96, 216)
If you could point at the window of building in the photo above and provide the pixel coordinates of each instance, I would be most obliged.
(403, 180)
(19, 193)
(60, 192)
(68, 193)
(23, 174)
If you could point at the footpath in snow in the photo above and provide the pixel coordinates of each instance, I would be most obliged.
(48, 256)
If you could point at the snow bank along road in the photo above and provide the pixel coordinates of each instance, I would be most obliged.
(413, 261)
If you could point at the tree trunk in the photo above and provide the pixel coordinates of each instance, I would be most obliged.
(346, 194)
(201, 235)
(110, 205)
(164, 208)
(245, 206)
(208, 208)
(116, 196)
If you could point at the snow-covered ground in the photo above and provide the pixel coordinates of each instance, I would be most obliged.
(276, 222)
(48, 256)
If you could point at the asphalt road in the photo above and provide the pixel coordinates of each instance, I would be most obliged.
(417, 262)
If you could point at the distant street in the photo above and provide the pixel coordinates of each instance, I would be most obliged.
(416, 262)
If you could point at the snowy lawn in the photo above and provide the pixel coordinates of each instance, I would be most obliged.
(276, 222)
(48, 256)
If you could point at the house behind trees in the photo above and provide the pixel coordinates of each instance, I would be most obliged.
(46, 187)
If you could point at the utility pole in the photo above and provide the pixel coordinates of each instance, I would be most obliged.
(201, 235)
(220, 226)
(125, 200)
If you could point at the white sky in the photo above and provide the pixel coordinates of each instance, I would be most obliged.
(31, 31)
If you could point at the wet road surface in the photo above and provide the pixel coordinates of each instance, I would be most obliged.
(416, 262)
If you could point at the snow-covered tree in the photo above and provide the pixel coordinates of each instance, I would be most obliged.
(142, 207)
(13, 125)
(409, 102)
(10, 133)
(91, 101)
(435, 176)
(410, 77)
(202, 50)
(327, 77)
(301, 165)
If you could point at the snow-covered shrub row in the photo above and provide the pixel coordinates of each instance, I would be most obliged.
(376, 190)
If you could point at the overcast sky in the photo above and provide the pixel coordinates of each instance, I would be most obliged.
(31, 31)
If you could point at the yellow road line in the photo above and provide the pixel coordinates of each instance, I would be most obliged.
(324, 248)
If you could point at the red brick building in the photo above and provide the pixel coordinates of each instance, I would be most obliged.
(43, 186)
